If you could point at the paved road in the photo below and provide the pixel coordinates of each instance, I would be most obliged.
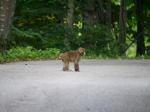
(101, 86)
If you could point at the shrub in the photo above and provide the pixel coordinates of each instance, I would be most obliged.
(29, 53)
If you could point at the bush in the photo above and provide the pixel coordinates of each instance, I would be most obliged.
(1, 58)
(45, 37)
(97, 39)
(29, 53)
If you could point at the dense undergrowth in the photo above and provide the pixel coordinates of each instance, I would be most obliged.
(30, 53)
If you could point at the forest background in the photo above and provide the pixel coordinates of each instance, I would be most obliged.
(42, 29)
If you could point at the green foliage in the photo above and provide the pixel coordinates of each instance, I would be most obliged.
(42, 24)
(1, 58)
(25, 38)
(96, 38)
(116, 2)
(99, 39)
(48, 37)
(29, 53)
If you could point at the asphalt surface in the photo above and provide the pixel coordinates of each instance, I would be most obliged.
(100, 86)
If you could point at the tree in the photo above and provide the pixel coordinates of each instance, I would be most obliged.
(70, 15)
(91, 12)
(108, 15)
(140, 28)
(122, 26)
(7, 8)
(70, 19)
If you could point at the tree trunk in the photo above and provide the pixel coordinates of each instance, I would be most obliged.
(122, 26)
(140, 28)
(91, 14)
(7, 8)
(108, 14)
(70, 15)
(70, 20)
(100, 11)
